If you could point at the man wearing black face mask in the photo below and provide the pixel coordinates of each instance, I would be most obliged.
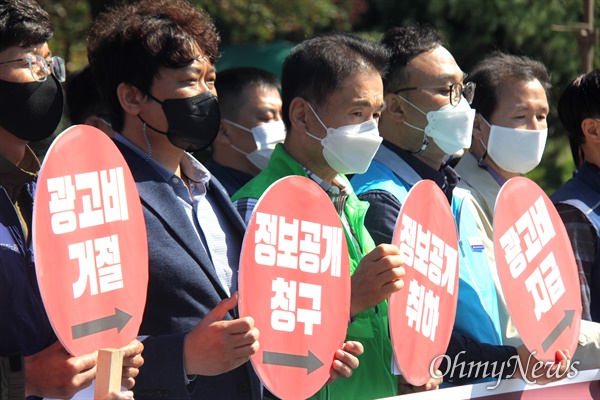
(31, 103)
(161, 98)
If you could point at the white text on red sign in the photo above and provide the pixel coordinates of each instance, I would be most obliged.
(422, 309)
(434, 259)
(283, 305)
(428, 254)
(99, 265)
(296, 245)
(102, 195)
(534, 228)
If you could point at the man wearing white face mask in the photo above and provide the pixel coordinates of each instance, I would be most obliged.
(509, 135)
(250, 128)
(510, 128)
(332, 95)
(428, 118)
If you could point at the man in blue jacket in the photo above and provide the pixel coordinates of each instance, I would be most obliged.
(427, 119)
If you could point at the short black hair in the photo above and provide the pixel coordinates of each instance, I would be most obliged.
(131, 42)
(404, 44)
(317, 67)
(231, 83)
(494, 71)
(82, 97)
(23, 23)
(579, 100)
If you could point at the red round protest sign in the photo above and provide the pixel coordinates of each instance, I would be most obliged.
(537, 269)
(422, 313)
(90, 244)
(294, 280)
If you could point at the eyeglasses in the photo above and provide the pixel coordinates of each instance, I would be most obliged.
(39, 67)
(456, 91)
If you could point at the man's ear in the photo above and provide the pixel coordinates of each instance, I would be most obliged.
(131, 98)
(394, 107)
(591, 130)
(298, 114)
(223, 135)
(479, 126)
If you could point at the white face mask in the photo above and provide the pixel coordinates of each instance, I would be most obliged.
(266, 136)
(450, 127)
(516, 150)
(349, 149)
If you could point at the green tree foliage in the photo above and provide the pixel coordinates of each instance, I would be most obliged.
(71, 19)
(242, 21)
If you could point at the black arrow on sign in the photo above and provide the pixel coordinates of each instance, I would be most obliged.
(558, 329)
(118, 320)
(310, 362)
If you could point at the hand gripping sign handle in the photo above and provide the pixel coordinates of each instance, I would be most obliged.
(110, 369)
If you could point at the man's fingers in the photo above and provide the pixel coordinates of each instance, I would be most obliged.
(219, 312)
(347, 359)
(246, 350)
(137, 361)
(381, 251)
(342, 369)
(130, 372)
(354, 348)
(128, 382)
(134, 348)
(246, 338)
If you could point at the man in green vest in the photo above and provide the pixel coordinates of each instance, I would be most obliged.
(332, 94)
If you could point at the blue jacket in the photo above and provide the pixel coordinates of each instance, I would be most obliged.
(477, 310)
(183, 288)
(583, 192)
(24, 325)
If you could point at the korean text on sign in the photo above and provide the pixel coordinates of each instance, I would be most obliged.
(435, 260)
(102, 199)
(102, 196)
(296, 245)
(521, 243)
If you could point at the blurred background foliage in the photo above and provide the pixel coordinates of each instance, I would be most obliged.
(542, 29)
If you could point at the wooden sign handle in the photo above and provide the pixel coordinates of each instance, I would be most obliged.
(109, 371)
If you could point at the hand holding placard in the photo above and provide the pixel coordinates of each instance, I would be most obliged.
(216, 346)
(530, 369)
(378, 275)
(346, 360)
(54, 367)
(294, 280)
(89, 238)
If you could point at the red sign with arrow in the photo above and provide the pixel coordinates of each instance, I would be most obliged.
(537, 269)
(90, 244)
(294, 281)
(422, 314)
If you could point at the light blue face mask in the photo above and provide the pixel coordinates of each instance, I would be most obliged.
(349, 149)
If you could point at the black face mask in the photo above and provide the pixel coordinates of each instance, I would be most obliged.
(31, 111)
(193, 121)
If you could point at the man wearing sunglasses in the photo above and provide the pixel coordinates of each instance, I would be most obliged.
(31, 105)
(426, 120)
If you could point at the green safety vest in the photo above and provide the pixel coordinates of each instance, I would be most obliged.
(373, 378)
